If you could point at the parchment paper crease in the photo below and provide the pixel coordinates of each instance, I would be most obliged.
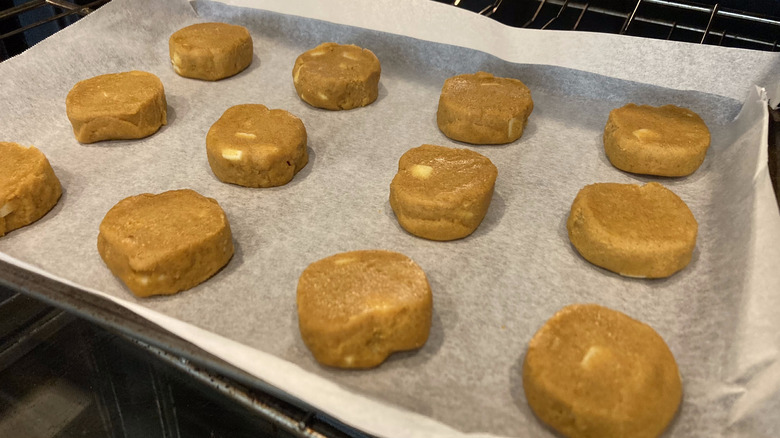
(493, 290)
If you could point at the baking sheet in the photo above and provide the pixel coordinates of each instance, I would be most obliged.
(492, 290)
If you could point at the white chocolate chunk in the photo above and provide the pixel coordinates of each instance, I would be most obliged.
(421, 171)
(247, 135)
(6, 209)
(514, 126)
(349, 55)
(232, 154)
(307, 99)
(143, 279)
(344, 261)
(297, 74)
(646, 134)
(590, 356)
(318, 52)
(465, 215)
(322, 96)
(265, 155)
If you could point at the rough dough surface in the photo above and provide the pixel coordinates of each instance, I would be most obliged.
(483, 109)
(356, 308)
(635, 231)
(117, 106)
(210, 51)
(663, 141)
(253, 146)
(337, 77)
(28, 186)
(166, 243)
(592, 372)
(442, 193)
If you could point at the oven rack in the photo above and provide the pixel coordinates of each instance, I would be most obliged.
(662, 19)
(23, 23)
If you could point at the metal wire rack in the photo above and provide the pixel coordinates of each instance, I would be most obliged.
(23, 23)
(714, 23)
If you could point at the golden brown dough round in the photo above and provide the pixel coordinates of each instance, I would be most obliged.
(117, 106)
(210, 51)
(635, 231)
(166, 243)
(442, 193)
(592, 372)
(483, 109)
(28, 186)
(253, 146)
(664, 141)
(337, 77)
(356, 308)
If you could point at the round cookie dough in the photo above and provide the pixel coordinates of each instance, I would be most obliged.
(253, 146)
(592, 372)
(166, 243)
(442, 193)
(635, 231)
(28, 186)
(483, 109)
(663, 141)
(210, 51)
(337, 77)
(117, 106)
(356, 308)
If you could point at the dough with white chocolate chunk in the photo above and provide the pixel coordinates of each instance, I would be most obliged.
(663, 141)
(592, 372)
(253, 146)
(442, 193)
(117, 106)
(483, 109)
(356, 308)
(28, 186)
(635, 231)
(210, 51)
(337, 77)
(166, 243)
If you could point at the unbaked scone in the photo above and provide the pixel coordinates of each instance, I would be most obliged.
(166, 243)
(635, 231)
(117, 106)
(592, 372)
(253, 146)
(28, 186)
(483, 109)
(442, 193)
(356, 308)
(663, 141)
(210, 51)
(337, 77)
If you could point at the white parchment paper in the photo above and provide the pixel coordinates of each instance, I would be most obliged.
(492, 290)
